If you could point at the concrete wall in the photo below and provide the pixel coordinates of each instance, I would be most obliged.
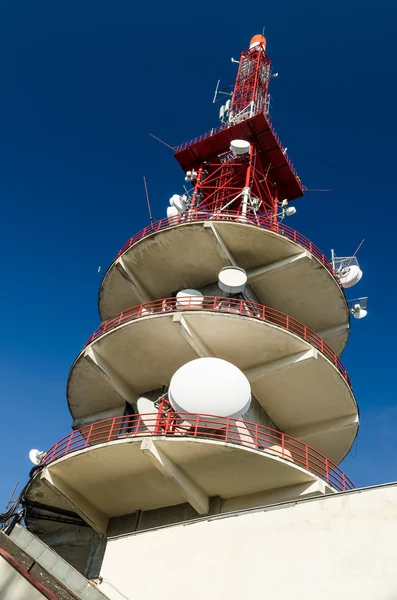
(13, 586)
(341, 546)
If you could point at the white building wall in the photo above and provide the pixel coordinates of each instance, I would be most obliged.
(13, 586)
(341, 546)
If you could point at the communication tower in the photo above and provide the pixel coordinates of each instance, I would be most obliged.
(214, 381)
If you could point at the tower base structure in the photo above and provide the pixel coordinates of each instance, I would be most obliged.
(333, 546)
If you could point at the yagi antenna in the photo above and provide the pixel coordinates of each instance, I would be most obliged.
(148, 200)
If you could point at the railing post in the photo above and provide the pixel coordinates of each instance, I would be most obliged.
(158, 419)
(307, 457)
(88, 436)
(69, 442)
(111, 429)
(227, 430)
(326, 470)
(343, 480)
(53, 453)
(282, 444)
(196, 426)
(167, 424)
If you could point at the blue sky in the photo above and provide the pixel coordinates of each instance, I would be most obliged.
(81, 86)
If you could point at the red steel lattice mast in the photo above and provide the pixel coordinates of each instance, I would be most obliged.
(252, 182)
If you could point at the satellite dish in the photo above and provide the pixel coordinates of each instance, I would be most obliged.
(189, 299)
(147, 410)
(349, 276)
(210, 386)
(240, 147)
(172, 212)
(359, 312)
(291, 210)
(232, 279)
(36, 456)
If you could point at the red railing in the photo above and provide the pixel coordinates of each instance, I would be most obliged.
(262, 221)
(220, 304)
(242, 433)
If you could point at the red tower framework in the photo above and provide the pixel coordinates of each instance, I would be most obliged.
(254, 182)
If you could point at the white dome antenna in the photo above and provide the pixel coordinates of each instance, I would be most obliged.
(210, 386)
(36, 456)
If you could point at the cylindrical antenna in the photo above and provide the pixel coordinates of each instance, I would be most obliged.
(148, 200)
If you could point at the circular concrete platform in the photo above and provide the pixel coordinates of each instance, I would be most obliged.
(297, 378)
(285, 270)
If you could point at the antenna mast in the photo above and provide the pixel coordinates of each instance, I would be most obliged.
(148, 200)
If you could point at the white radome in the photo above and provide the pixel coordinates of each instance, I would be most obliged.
(232, 279)
(210, 386)
(189, 299)
(350, 276)
(240, 147)
(36, 456)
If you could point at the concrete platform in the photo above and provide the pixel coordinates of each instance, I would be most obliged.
(138, 473)
(301, 390)
(283, 274)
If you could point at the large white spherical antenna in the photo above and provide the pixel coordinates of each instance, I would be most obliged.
(189, 299)
(232, 279)
(210, 386)
(351, 275)
(240, 147)
(36, 456)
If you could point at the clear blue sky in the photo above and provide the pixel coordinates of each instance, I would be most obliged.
(81, 85)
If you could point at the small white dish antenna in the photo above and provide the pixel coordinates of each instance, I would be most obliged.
(232, 280)
(36, 456)
(172, 212)
(290, 210)
(210, 386)
(240, 147)
(191, 176)
(358, 312)
(189, 299)
(358, 307)
(147, 410)
(350, 275)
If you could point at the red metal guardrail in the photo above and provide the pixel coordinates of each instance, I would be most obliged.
(221, 304)
(210, 427)
(261, 221)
